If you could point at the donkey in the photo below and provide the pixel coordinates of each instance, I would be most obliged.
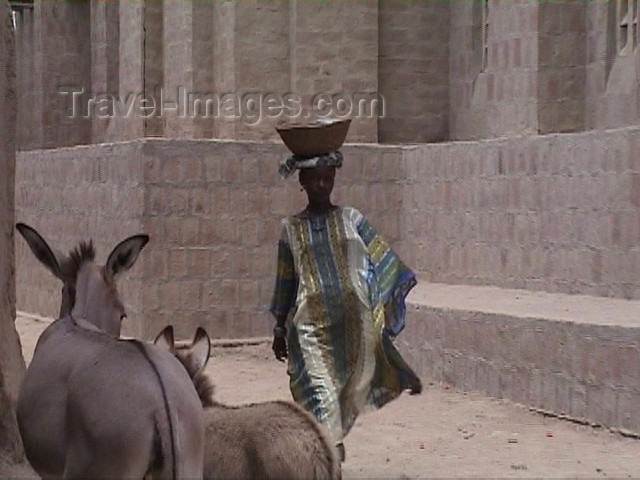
(267, 440)
(92, 405)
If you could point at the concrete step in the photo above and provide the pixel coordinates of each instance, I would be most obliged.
(572, 356)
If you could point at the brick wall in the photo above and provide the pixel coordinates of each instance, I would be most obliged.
(584, 371)
(130, 72)
(612, 76)
(263, 62)
(179, 60)
(59, 40)
(105, 41)
(223, 60)
(562, 47)
(203, 51)
(413, 71)
(497, 97)
(213, 212)
(74, 194)
(334, 49)
(548, 67)
(556, 213)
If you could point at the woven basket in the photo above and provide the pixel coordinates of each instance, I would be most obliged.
(316, 139)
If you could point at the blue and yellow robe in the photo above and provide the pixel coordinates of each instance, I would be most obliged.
(342, 290)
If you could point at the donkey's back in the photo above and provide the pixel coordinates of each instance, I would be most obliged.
(267, 440)
(95, 406)
(92, 405)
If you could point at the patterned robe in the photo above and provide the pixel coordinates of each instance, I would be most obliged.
(342, 290)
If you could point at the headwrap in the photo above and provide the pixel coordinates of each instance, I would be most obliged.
(296, 162)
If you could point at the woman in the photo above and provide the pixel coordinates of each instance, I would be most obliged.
(338, 302)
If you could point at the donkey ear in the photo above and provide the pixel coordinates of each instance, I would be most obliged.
(124, 255)
(200, 348)
(52, 259)
(165, 339)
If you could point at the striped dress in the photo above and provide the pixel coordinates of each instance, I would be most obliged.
(342, 290)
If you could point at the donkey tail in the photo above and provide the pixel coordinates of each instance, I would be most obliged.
(165, 444)
(163, 465)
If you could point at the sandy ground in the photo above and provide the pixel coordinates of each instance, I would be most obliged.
(439, 434)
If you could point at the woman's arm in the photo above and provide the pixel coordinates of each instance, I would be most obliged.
(283, 296)
(393, 279)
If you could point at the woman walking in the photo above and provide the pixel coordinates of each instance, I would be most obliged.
(339, 301)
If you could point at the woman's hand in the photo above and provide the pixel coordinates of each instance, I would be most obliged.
(279, 348)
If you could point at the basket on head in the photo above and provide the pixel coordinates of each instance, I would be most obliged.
(316, 139)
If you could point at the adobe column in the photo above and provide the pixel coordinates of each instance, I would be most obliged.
(334, 50)
(140, 70)
(561, 72)
(414, 71)
(29, 126)
(262, 66)
(188, 68)
(62, 67)
(105, 60)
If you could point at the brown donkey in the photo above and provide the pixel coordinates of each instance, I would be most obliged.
(268, 440)
(94, 406)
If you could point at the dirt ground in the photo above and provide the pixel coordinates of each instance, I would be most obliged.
(439, 434)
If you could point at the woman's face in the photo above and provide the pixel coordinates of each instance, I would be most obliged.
(318, 182)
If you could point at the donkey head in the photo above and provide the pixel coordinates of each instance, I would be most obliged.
(193, 356)
(89, 290)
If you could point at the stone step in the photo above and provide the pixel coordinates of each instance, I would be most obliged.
(573, 356)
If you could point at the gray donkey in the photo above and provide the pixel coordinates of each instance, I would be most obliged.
(268, 440)
(94, 406)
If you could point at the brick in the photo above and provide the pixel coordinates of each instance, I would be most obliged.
(176, 200)
(238, 201)
(177, 263)
(250, 171)
(169, 296)
(628, 417)
(190, 295)
(156, 263)
(635, 190)
(602, 405)
(249, 296)
(223, 324)
(219, 199)
(198, 262)
(171, 171)
(211, 295)
(199, 202)
(221, 263)
(231, 169)
(229, 293)
(212, 168)
(191, 169)
(625, 366)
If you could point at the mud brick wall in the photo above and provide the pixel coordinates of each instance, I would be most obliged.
(74, 194)
(413, 71)
(493, 93)
(559, 213)
(611, 86)
(212, 209)
(580, 370)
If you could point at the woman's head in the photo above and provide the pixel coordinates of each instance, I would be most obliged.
(318, 183)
